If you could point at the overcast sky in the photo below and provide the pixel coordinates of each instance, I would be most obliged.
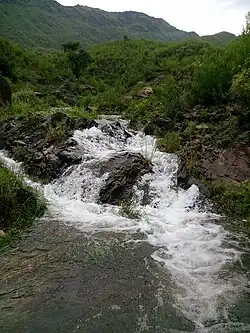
(201, 16)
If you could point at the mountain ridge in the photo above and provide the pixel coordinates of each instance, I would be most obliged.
(47, 23)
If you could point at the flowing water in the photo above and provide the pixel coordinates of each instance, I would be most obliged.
(203, 258)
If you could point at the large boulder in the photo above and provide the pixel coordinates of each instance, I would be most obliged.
(5, 92)
(125, 170)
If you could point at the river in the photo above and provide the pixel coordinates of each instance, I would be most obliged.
(206, 264)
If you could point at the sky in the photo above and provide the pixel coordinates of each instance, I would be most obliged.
(202, 16)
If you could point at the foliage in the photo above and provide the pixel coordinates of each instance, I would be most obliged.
(241, 85)
(19, 205)
(233, 198)
(78, 57)
(198, 93)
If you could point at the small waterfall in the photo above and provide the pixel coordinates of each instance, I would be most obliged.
(190, 242)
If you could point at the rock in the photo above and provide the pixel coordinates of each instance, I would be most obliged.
(116, 130)
(28, 139)
(231, 164)
(126, 169)
(158, 124)
(145, 92)
(2, 233)
(183, 175)
(185, 179)
(5, 92)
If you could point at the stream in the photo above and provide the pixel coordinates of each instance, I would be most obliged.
(203, 267)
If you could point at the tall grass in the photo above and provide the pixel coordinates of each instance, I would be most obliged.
(20, 205)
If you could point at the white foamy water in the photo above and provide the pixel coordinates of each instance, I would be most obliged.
(189, 240)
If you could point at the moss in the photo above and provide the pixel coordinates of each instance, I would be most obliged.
(20, 205)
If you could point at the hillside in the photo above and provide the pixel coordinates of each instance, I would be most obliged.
(220, 38)
(46, 23)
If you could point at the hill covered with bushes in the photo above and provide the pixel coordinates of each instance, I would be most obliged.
(46, 23)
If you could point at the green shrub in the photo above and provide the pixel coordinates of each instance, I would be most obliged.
(212, 79)
(241, 86)
(19, 205)
(25, 95)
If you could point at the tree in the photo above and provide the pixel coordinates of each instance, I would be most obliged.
(71, 46)
(246, 29)
(77, 56)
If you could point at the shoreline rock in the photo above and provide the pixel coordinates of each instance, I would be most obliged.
(43, 143)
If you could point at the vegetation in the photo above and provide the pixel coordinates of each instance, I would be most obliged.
(19, 206)
(130, 210)
(46, 23)
(233, 198)
(193, 96)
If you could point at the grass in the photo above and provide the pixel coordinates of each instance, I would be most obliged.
(233, 198)
(101, 254)
(56, 134)
(20, 205)
(130, 210)
(80, 112)
(24, 102)
(170, 143)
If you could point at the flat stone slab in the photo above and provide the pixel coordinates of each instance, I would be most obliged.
(58, 280)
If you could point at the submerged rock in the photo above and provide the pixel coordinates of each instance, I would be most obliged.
(125, 170)
(5, 92)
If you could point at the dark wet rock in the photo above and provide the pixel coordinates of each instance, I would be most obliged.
(158, 125)
(125, 170)
(116, 130)
(43, 143)
(5, 92)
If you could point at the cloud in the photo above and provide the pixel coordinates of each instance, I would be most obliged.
(243, 4)
(202, 16)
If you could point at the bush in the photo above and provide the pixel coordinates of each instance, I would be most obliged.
(19, 205)
(241, 86)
